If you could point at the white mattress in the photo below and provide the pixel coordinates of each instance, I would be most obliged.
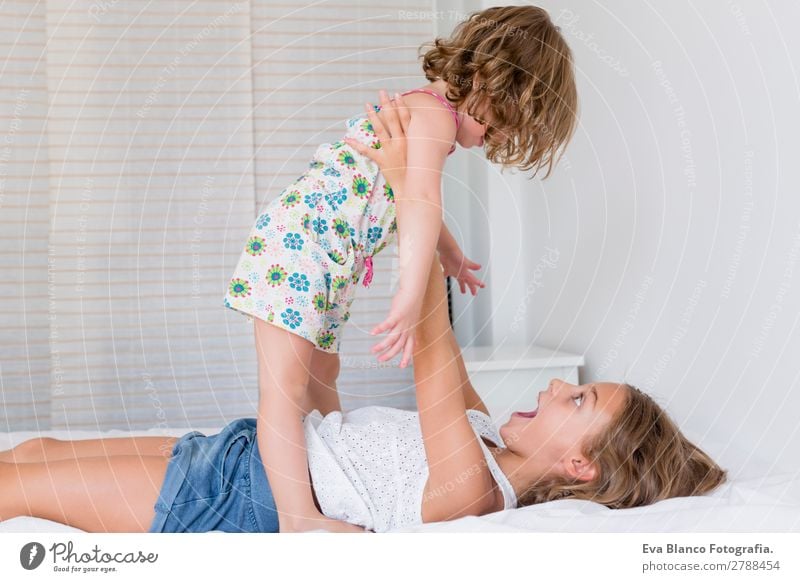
(756, 498)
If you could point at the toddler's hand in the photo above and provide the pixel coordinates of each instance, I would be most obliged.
(403, 317)
(456, 265)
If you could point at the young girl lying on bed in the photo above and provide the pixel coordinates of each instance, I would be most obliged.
(603, 442)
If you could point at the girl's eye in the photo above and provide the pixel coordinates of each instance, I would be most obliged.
(579, 396)
(479, 120)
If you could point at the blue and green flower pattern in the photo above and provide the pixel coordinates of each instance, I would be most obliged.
(304, 255)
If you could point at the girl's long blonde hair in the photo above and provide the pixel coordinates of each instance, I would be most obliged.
(641, 457)
(516, 58)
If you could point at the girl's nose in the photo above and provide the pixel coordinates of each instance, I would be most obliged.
(556, 384)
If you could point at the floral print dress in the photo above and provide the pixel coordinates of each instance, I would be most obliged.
(309, 247)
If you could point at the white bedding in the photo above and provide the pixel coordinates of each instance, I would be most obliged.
(755, 499)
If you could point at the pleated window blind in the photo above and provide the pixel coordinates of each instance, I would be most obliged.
(138, 144)
(25, 356)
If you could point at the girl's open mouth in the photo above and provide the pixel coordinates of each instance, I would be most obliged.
(530, 414)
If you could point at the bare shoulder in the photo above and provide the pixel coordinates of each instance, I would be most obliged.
(431, 111)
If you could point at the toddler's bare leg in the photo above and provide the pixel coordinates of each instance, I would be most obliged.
(322, 393)
(95, 494)
(42, 449)
(284, 361)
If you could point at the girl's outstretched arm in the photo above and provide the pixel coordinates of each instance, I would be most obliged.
(430, 134)
(391, 124)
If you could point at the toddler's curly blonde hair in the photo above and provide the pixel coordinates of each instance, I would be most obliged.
(516, 58)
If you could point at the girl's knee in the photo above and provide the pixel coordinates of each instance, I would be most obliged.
(326, 365)
(34, 449)
(322, 393)
(284, 380)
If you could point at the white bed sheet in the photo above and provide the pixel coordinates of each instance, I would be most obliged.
(757, 498)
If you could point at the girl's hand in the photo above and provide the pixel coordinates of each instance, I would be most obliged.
(457, 265)
(390, 125)
(403, 318)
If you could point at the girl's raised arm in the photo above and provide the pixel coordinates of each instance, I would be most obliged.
(419, 220)
(442, 385)
(459, 482)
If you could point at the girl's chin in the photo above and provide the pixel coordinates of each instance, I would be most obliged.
(507, 435)
(516, 420)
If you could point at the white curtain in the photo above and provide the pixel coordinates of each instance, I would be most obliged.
(138, 142)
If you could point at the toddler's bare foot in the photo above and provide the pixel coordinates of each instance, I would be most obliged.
(318, 522)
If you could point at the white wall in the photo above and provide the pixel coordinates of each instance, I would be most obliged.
(674, 221)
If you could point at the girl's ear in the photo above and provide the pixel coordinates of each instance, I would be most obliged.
(580, 468)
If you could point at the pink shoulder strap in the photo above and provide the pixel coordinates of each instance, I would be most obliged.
(440, 98)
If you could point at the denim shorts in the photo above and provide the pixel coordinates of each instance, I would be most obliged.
(216, 483)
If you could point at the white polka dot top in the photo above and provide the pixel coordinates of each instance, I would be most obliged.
(368, 466)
